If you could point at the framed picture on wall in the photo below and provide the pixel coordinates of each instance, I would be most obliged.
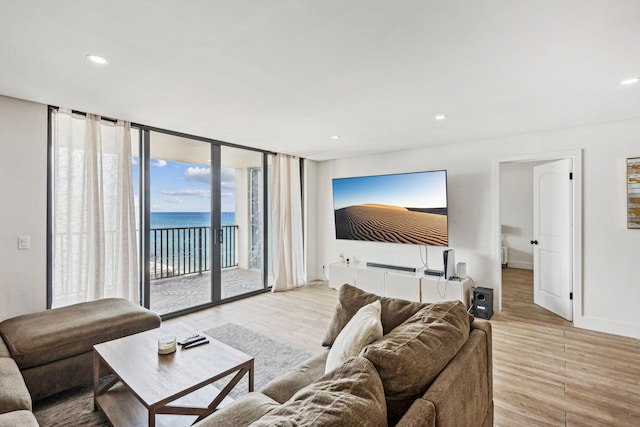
(633, 192)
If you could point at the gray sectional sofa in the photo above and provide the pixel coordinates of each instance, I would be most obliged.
(432, 367)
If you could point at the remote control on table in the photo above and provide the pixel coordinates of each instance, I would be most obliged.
(192, 339)
(195, 344)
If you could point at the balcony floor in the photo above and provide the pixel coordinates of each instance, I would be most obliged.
(178, 293)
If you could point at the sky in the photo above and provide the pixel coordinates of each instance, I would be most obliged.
(409, 190)
(184, 187)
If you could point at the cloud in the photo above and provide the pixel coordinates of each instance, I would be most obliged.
(174, 200)
(198, 174)
(187, 192)
(160, 163)
(228, 179)
(228, 187)
(134, 160)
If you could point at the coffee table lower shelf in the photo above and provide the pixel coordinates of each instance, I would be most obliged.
(122, 408)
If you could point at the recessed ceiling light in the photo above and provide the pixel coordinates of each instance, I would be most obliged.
(335, 137)
(440, 117)
(630, 81)
(97, 59)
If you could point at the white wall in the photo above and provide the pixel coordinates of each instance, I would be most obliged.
(468, 206)
(516, 213)
(23, 188)
(610, 295)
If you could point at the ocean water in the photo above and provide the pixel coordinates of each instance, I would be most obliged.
(188, 219)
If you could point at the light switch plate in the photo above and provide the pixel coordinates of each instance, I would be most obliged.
(24, 242)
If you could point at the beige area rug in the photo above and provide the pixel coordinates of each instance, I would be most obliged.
(75, 407)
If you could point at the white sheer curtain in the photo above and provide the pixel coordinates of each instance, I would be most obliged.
(94, 233)
(286, 211)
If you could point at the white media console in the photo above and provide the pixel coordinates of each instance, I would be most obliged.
(398, 284)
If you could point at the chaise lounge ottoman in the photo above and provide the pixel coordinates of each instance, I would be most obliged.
(54, 348)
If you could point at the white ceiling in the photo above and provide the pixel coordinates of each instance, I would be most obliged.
(286, 75)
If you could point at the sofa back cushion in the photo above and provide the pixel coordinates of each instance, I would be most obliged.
(411, 356)
(351, 299)
(467, 377)
(14, 395)
(350, 395)
(4, 351)
(363, 329)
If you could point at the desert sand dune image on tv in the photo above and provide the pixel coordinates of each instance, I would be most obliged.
(400, 208)
(394, 224)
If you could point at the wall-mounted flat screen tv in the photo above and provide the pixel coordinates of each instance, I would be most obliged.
(397, 208)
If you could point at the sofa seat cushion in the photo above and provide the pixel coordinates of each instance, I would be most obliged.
(39, 338)
(286, 385)
(411, 356)
(350, 395)
(351, 299)
(18, 418)
(241, 412)
(14, 395)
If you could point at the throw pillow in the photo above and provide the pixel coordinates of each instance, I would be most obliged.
(411, 356)
(363, 329)
(350, 395)
(351, 299)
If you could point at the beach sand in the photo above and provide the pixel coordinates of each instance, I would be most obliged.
(394, 224)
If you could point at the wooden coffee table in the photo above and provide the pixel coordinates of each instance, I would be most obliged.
(176, 386)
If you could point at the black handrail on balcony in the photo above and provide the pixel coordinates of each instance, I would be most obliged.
(185, 250)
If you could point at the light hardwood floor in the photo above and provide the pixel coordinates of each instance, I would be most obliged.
(546, 372)
(298, 317)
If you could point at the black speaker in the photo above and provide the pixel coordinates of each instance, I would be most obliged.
(482, 303)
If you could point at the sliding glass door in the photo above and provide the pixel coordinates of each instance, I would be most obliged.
(179, 223)
(241, 221)
(201, 222)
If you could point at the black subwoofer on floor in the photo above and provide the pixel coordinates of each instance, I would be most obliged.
(482, 303)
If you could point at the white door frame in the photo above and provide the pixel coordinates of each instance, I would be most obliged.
(576, 155)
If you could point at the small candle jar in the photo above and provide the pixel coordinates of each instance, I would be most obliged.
(167, 344)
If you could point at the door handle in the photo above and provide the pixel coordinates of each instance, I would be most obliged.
(534, 242)
(220, 236)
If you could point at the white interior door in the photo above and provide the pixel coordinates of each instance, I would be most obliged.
(552, 240)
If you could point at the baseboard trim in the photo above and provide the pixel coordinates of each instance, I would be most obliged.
(608, 326)
(523, 265)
